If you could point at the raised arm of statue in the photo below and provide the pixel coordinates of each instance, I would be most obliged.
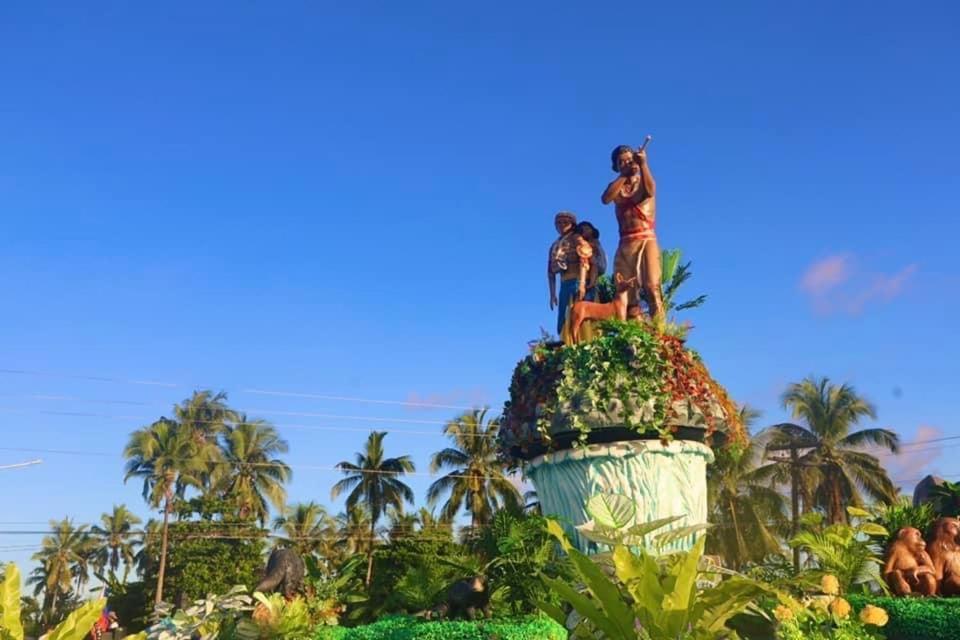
(646, 177)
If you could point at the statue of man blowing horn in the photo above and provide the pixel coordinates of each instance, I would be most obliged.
(633, 194)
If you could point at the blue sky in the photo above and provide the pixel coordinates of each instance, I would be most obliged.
(357, 202)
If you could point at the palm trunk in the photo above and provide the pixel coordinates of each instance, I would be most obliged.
(373, 534)
(163, 552)
(737, 535)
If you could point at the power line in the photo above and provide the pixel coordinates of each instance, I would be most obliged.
(312, 467)
(247, 390)
(148, 419)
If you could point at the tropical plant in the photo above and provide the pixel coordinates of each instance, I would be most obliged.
(276, 618)
(165, 458)
(76, 626)
(517, 549)
(61, 559)
(836, 471)
(400, 524)
(748, 516)
(477, 481)
(306, 527)
(250, 475)
(843, 550)
(903, 513)
(201, 419)
(673, 275)
(222, 616)
(374, 481)
(116, 542)
(651, 599)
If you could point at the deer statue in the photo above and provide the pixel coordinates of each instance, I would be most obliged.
(584, 310)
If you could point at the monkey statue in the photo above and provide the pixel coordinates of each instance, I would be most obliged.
(909, 569)
(945, 553)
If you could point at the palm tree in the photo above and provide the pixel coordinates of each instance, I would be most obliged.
(374, 481)
(353, 531)
(166, 459)
(835, 472)
(401, 524)
(60, 556)
(747, 514)
(202, 418)
(250, 475)
(477, 481)
(306, 527)
(115, 542)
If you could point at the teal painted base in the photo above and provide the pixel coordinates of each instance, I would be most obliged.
(665, 480)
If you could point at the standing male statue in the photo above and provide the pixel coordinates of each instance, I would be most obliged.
(633, 194)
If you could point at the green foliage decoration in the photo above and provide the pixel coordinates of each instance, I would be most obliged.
(846, 551)
(652, 598)
(10, 627)
(916, 618)
(903, 514)
(630, 376)
(76, 626)
(410, 628)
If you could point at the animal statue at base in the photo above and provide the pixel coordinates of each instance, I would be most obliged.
(467, 598)
(909, 569)
(284, 574)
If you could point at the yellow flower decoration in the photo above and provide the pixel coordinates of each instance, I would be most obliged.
(782, 613)
(840, 608)
(874, 615)
(830, 585)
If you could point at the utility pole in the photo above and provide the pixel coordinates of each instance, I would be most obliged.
(794, 447)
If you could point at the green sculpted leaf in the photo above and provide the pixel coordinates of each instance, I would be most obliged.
(856, 512)
(873, 529)
(679, 602)
(611, 510)
(585, 607)
(645, 528)
(669, 537)
(10, 603)
(605, 591)
(554, 529)
(78, 624)
(602, 535)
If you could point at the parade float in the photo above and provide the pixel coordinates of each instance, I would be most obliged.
(619, 403)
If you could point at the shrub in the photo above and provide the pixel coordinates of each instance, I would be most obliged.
(409, 628)
(916, 618)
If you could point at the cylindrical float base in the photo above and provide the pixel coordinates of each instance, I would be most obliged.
(664, 479)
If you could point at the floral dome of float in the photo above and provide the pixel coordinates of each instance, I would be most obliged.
(631, 380)
(615, 375)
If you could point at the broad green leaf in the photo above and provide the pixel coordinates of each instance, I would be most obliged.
(78, 624)
(641, 575)
(612, 510)
(730, 598)
(645, 528)
(857, 512)
(552, 610)
(602, 535)
(137, 636)
(554, 529)
(669, 537)
(605, 591)
(873, 529)
(10, 603)
(585, 607)
(684, 589)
